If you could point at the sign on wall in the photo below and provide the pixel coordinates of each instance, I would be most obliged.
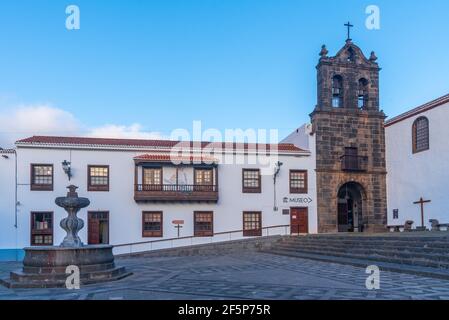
(297, 200)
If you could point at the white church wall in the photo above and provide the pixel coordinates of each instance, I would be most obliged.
(424, 174)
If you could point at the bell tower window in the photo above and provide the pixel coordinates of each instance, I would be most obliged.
(362, 94)
(337, 92)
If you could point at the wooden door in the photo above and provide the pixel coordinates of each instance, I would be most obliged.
(299, 221)
(93, 230)
(343, 217)
(98, 227)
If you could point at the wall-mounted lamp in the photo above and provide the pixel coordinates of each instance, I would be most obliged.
(277, 168)
(66, 166)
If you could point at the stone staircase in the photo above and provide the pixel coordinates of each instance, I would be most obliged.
(425, 254)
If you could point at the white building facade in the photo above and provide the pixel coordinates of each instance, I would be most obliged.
(417, 163)
(142, 192)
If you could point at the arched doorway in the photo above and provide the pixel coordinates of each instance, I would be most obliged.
(350, 204)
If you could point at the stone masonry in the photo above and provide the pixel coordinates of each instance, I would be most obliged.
(349, 126)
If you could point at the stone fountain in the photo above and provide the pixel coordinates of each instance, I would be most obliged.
(45, 267)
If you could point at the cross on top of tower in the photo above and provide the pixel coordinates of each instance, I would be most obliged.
(349, 26)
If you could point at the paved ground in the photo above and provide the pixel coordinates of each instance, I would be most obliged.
(240, 276)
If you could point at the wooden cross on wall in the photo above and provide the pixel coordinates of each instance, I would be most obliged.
(422, 202)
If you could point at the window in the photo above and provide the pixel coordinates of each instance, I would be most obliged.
(252, 224)
(421, 135)
(203, 180)
(41, 228)
(152, 179)
(98, 178)
(251, 181)
(362, 94)
(203, 177)
(42, 177)
(152, 224)
(203, 224)
(298, 181)
(337, 92)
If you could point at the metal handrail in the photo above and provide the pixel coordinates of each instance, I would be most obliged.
(193, 237)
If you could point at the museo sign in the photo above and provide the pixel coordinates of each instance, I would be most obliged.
(297, 200)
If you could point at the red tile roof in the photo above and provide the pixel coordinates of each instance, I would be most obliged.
(415, 111)
(84, 141)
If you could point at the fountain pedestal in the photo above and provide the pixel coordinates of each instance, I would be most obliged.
(45, 267)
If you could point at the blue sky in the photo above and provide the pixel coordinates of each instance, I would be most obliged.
(159, 65)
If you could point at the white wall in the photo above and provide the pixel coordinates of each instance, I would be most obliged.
(125, 214)
(425, 174)
(7, 198)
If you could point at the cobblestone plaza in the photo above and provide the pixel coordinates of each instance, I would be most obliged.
(240, 276)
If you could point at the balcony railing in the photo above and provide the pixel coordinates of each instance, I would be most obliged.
(354, 163)
(175, 192)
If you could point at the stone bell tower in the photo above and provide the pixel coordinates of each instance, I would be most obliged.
(350, 143)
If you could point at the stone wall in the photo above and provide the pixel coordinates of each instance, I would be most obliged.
(334, 131)
(349, 127)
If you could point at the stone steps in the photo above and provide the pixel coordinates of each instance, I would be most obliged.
(411, 252)
(363, 263)
(364, 241)
(411, 260)
(441, 254)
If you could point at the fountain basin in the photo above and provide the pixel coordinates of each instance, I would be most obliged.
(45, 267)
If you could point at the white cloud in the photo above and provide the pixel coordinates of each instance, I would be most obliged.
(30, 120)
(134, 131)
(27, 120)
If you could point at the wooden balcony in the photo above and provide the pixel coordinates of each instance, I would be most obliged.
(175, 193)
(354, 163)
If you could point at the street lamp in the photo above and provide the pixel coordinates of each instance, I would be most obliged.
(66, 166)
(277, 168)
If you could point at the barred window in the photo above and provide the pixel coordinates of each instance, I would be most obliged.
(251, 181)
(98, 178)
(203, 224)
(298, 181)
(152, 224)
(42, 177)
(252, 224)
(41, 228)
(152, 176)
(421, 135)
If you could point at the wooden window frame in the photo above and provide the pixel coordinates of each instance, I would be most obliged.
(100, 188)
(42, 232)
(153, 188)
(251, 189)
(195, 172)
(304, 190)
(252, 232)
(153, 234)
(41, 187)
(415, 132)
(198, 233)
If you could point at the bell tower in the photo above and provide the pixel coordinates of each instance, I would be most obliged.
(350, 143)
